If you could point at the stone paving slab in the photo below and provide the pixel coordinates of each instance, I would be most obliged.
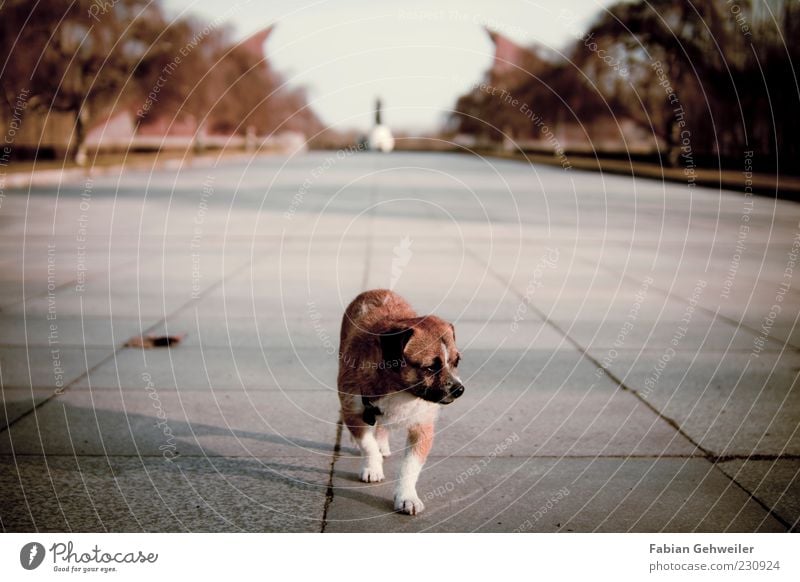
(548, 495)
(312, 276)
(219, 368)
(459, 236)
(707, 334)
(95, 332)
(211, 330)
(731, 404)
(524, 334)
(531, 370)
(71, 304)
(273, 303)
(19, 401)
(42, 367)
(560, 423)
(776, 483)
(617, 308)
(129, 494)
(155, 423)
(472, 304)
(781, 330)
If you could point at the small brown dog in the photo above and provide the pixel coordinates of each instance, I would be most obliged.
(395, 369)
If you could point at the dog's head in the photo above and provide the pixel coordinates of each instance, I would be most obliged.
(421, 352)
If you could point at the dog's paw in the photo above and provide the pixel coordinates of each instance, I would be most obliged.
(408, 504)
(371, 474)
(385, 450)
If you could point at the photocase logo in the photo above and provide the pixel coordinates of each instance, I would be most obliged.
(31, 555)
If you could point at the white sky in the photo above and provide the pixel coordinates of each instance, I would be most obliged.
(417, 55)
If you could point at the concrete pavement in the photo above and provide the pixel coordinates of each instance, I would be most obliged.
(630, 348)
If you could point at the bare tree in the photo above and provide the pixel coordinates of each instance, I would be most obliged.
(75, 59)
(725, 78)
(83, 57)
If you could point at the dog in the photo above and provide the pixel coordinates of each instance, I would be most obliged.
(395, 371)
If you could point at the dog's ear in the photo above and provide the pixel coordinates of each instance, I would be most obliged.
(393, 343)
(453, 327)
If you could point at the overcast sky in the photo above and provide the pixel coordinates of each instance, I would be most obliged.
(417, 55)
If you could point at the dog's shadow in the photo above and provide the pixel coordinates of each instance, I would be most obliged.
(348, 485)
(298, 462)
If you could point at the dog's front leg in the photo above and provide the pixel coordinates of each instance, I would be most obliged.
(420, 441)
(372, 468)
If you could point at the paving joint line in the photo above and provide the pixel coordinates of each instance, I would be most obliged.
(65, 285)
(117, 350)
(337, 447)
(337, 451)
(674, 296)
(708, 455)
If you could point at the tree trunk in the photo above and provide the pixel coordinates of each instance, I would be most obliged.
(80, 156)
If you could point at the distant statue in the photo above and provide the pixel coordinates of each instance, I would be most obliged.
(380, 138)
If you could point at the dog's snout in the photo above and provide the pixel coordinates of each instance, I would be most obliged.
(446, 394)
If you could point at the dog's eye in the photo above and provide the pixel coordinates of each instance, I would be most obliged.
(435, 367)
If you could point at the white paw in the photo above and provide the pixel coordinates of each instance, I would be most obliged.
(385, 450)
(409, 504)
(371, 474)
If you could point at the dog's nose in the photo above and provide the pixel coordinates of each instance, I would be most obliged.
(457, 390)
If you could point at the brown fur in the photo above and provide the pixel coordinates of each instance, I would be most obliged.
(420, 439)
(404, 365)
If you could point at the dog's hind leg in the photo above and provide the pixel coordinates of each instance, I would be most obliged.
(420, 441)
(372, 468)
(382, 436)
(364, 435)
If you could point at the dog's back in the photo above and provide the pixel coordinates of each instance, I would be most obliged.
(370, 310)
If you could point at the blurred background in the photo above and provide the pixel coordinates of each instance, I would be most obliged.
(585, 78)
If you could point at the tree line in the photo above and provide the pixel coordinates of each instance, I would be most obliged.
(86, 58)
(708, 78)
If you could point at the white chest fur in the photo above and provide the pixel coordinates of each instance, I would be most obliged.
(401, 410)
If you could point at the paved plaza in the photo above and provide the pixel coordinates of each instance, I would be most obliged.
(630, 348)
